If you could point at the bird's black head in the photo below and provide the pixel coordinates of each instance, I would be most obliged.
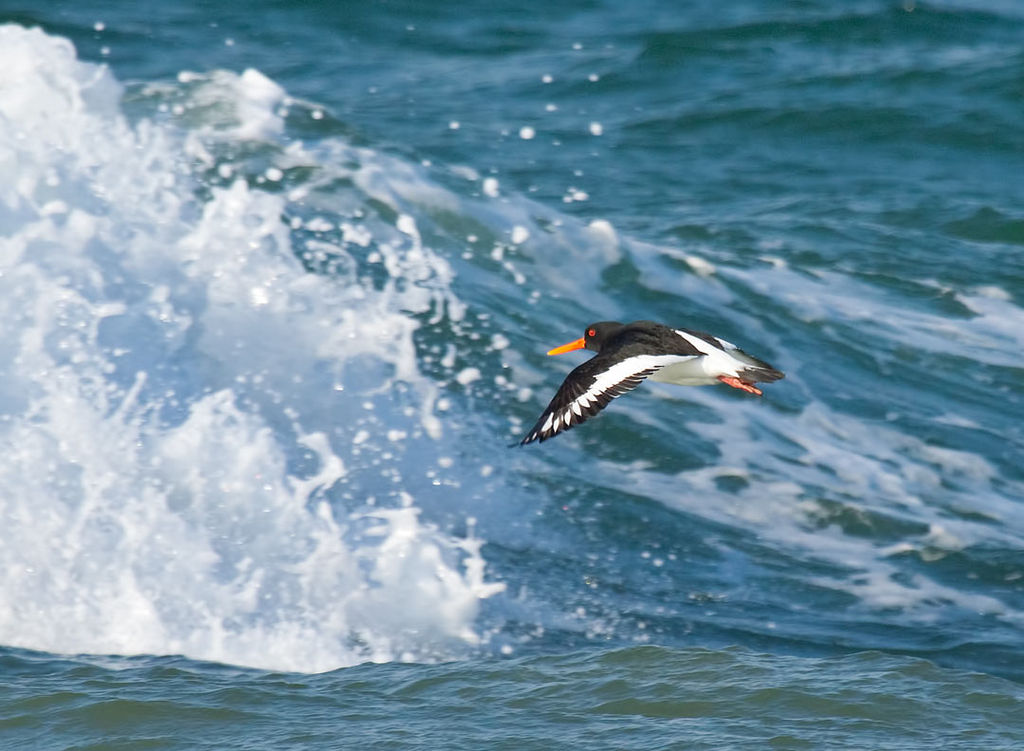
(593, 338)
(598, 333)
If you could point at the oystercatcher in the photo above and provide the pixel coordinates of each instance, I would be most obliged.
(629, 353)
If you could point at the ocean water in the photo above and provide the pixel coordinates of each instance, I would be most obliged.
(276, 284)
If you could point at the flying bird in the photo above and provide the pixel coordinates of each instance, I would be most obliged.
(628, 353)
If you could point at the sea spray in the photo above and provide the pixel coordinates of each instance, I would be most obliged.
(172, 377)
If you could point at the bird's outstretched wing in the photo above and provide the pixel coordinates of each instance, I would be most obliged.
(588, 389)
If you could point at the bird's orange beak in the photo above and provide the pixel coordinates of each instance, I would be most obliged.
(578, 344)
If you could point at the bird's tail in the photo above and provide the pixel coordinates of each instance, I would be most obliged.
(755, 370)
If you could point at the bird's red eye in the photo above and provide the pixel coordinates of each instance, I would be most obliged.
(591, 332)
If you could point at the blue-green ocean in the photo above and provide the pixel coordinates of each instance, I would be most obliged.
(277, 280)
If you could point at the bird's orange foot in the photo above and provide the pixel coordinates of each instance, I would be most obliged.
(736, 383)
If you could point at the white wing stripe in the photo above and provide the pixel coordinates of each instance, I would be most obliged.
(706, 347)
(628, 367)
(609, 379)
(616, 380)
(696, 341)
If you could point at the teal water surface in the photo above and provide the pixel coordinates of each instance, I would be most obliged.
(278, 281)
(651, 697)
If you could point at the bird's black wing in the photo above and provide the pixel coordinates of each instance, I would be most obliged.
(588, 389)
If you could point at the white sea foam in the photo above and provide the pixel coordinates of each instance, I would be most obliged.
(993, 336)
(178, 394)
(873, 468)
(202, 446)
(796, 478)
(795, 468)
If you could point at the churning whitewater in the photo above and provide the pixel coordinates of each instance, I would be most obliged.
(175, 434)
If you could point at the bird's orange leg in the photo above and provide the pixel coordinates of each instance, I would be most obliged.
(736, 383)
